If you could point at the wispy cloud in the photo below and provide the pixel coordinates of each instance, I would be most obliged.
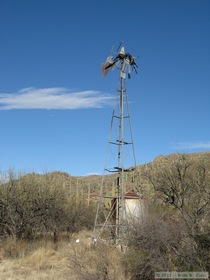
(92, 174)
(53, 98)
(192, 145)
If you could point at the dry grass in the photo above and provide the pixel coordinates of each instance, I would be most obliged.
(32, 261)
(71, 261)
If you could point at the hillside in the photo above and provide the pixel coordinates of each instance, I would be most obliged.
(87, 188)
(92, 183)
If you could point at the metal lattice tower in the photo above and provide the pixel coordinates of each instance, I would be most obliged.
(120, 162)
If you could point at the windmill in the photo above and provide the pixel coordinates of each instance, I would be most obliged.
(120, 162)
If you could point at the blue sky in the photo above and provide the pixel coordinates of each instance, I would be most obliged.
(55, 108)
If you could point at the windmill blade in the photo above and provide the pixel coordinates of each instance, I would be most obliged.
(106, 66)
(105, 69)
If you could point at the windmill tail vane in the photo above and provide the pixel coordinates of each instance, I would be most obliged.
(126, 60)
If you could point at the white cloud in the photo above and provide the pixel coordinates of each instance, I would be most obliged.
(92, 174)
(53, 98)
(192, 145)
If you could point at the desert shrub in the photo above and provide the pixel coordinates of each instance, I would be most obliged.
(80, 217)
(175, 234)
(149, 244)
(34, 205)
(89, 262)
(182, 183)
(31, 204)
